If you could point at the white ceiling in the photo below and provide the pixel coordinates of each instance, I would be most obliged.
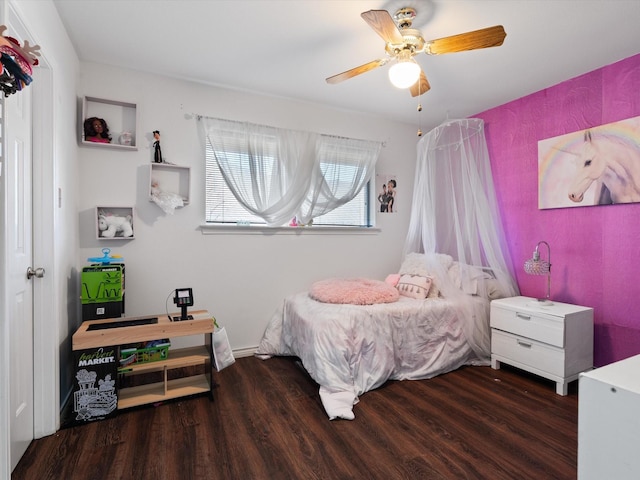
(287, 48)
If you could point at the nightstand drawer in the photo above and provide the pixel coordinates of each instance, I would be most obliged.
(540, 327)
(528, 352)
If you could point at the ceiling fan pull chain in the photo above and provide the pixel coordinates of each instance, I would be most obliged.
(419, 110)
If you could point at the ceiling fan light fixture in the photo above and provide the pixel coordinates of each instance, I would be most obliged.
(401, 43)
(404, 73)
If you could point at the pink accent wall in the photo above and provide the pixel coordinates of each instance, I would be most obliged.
(595, 251)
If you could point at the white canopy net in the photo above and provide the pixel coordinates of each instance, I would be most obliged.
(455, 213)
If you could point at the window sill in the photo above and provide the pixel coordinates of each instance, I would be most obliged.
(217, 229)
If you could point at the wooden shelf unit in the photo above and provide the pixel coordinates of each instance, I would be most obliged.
(161, 391)
(201, 324)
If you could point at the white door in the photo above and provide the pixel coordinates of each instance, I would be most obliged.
(20, 256)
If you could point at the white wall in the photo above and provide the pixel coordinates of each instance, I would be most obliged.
(239, 278)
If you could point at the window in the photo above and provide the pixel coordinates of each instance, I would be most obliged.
(223, 207)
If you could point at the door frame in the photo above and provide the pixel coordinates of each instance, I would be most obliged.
(46, 204)
(46, 296)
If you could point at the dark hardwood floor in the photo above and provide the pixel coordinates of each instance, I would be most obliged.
(267, 422)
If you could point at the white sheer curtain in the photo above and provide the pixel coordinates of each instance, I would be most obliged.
(267, 170)
(344, 166)
(455, 212)
(277, 174)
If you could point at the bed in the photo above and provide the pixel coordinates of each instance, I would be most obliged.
(349, 349)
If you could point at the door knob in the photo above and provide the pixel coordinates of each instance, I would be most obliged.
(38, 272)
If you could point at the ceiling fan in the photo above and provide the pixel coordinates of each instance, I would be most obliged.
(402, 43)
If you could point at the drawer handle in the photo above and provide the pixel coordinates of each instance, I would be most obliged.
(523, 316)
(524, 344)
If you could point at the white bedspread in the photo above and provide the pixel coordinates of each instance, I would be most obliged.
(351, 349)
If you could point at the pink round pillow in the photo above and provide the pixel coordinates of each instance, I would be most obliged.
(355, 291)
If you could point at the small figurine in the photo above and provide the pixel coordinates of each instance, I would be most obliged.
(125, 139)
(157, 154)
(96, 130)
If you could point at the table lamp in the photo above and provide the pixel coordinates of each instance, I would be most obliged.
(536, 266)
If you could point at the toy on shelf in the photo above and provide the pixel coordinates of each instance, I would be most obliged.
(167, 201)
(109, 225)
(125, 139)
(106, 259)
(157, 152)
(96, 130)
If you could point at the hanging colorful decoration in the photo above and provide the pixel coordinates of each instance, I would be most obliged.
(16, 63)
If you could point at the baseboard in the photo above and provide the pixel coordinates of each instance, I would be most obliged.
(244, 352)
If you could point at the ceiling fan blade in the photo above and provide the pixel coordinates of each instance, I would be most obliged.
(383, 24)
(421, 86)
(357, 71)
(484, 38)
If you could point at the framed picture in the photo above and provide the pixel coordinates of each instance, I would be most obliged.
(596, 166)
(386, 193)
(114, 223)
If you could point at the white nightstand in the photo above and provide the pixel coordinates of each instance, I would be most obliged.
(554, 341)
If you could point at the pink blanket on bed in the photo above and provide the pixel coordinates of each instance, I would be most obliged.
(355, 291)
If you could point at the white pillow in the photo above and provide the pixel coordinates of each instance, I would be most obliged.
(465, 277)
(416, 264)
(494, 289)
(472, 275)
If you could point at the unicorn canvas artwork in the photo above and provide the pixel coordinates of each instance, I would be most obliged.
(596, 166)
